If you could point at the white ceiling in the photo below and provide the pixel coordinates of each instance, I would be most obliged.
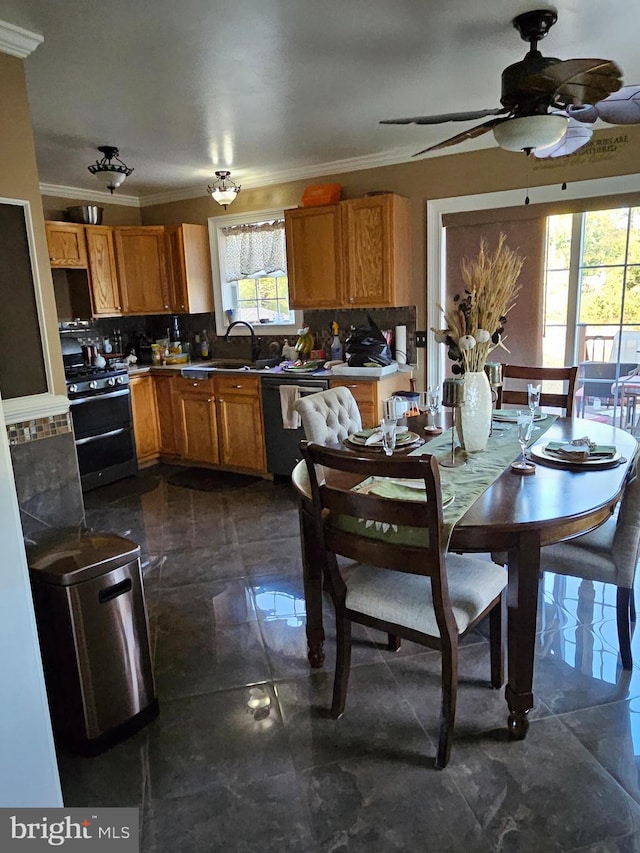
(276, 89)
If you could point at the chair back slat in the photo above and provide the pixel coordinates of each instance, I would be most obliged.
(522, 373)
(345, 517)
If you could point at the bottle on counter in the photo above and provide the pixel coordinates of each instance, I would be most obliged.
(204, 344)
(337, 352)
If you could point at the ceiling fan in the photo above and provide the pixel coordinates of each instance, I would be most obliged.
(547, 103)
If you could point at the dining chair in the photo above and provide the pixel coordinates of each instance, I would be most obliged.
(518, 395)
(403, 582)
(328, 417)
(608, 554)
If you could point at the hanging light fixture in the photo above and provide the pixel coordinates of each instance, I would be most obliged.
(111, 174)
(223, 189)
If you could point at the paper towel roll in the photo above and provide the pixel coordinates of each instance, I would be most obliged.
(401, 344)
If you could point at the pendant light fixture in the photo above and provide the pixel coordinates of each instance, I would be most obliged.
(223, 189)
(111, 174)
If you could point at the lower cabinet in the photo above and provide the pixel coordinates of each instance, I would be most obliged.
(240, 422)
(145, 417)
(197, 424)
(370, 394)
(167, 417)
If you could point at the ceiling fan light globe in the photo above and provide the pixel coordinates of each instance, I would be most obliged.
(530, 132)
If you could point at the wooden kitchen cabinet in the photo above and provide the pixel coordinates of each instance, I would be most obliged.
(376, 240)
(142, 269)
(169, 443)
(369, 394)
(240, 422)
(145, 417)
(314, 256)
(355, 254)
(189, 261)
(197, 424)
(103, 273)
(67, 247)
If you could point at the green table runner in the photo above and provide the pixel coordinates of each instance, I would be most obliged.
(466, 483)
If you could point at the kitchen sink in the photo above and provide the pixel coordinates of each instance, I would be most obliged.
(203, 371)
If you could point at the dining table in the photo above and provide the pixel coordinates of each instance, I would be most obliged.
(515, 514)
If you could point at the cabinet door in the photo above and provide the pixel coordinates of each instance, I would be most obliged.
(240, 423)
(314, 256)
(197, 430)
(166, 417)
(145, 417)
(365, 395)
(66, 245)
(103, 276)
(376, 250)
(190, 280)
(141, 259)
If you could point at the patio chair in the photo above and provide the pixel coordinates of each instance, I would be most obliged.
(595, 381)
(404, 584)
(522, 374)
(608, 554)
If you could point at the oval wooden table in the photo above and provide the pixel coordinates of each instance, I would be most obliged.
(517, 515)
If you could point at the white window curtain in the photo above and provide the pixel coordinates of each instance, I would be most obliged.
(254, 249)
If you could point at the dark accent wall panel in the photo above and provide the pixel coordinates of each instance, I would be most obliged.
(22, 370)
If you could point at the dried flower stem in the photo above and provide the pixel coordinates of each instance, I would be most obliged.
(491, 282)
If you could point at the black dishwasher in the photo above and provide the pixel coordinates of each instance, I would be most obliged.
(283, 452)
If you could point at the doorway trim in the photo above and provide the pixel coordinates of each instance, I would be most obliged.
(436, 238)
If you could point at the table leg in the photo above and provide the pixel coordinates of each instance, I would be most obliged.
(522, 604)
(312, 577)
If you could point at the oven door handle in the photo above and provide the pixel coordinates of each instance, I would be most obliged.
(102, 435)
(107, 396)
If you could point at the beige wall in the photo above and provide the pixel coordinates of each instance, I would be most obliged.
(488, 170)
(19, 180)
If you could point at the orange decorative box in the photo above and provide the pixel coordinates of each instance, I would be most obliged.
(321, 194)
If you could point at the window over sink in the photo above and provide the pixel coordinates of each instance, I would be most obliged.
(250, 272)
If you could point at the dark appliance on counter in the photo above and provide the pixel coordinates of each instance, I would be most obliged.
(283, 450)
(100, 401)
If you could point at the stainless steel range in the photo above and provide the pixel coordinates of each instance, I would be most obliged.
(102, 423)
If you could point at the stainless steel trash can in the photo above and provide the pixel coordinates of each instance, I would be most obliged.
(93, 628)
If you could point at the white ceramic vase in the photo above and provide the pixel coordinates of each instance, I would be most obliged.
(473, 418)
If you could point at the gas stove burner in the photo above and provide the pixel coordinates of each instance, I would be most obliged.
(85, 371)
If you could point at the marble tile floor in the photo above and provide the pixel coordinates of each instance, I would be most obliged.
(244, 756)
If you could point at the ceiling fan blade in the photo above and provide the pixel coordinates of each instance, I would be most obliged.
(440, 119)
(472, 133)
(575, 81)
(621, 107)
(575, 137)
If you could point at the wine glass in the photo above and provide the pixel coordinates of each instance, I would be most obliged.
(525, 424)
(433, 407)
(533, 399)
(388, 428)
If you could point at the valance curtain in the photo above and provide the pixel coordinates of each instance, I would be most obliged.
(254, 249)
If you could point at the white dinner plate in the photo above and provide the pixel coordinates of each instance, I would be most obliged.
(539, 452)
(402, 439)
(510, 418)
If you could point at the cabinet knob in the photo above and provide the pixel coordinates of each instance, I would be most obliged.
(209, 400)
(237, 386)
(220, 400)
(195, 384)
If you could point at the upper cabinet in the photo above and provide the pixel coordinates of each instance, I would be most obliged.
(103, 274)
(355, 254)
(147, 269)
(314, 256)
(66, 244)
(189, 263)
(142, 269)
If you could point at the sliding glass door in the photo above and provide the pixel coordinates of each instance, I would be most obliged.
(592, 309)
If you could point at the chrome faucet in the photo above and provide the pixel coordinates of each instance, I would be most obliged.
(255, 346)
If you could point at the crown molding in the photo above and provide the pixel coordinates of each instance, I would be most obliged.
(355, 164)
(89, 195)
(18, 42)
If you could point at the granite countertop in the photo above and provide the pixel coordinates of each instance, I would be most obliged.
(268, 371)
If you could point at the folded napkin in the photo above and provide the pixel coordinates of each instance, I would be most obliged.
(376, 435)
(580, 449)
(374, 438)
